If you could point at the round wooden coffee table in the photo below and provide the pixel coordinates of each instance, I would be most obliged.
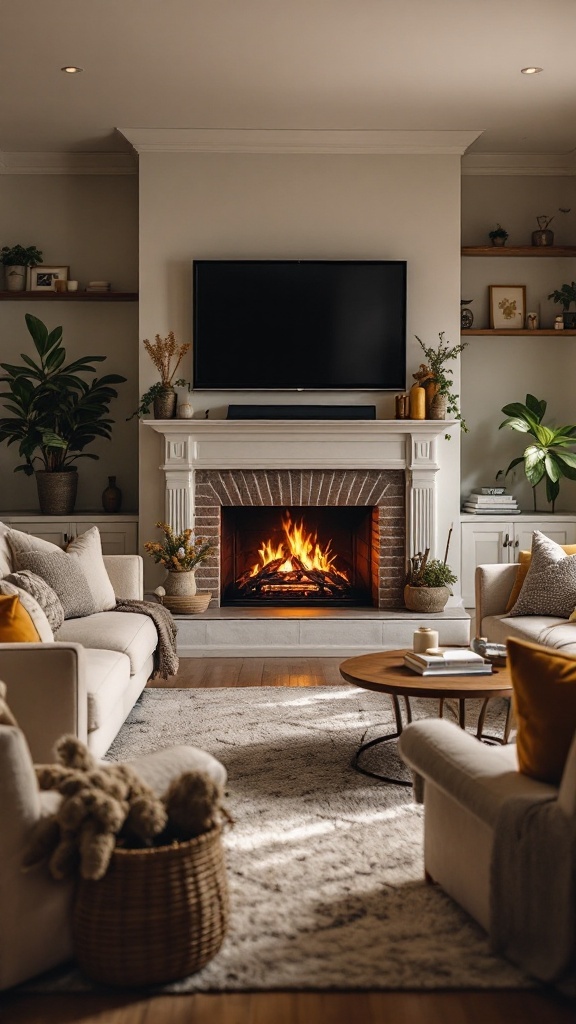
(385, 672)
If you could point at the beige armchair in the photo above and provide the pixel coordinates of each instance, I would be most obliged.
(501, 844)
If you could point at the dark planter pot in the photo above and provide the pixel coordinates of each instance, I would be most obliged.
(569, 318)
(57, 491)
(498, 241)
(165, 404)
(544, 237)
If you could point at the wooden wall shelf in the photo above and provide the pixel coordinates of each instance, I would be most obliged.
(69, 296)
(547, 332)
(519, 250)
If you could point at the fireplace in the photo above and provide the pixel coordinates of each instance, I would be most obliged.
(297, 556)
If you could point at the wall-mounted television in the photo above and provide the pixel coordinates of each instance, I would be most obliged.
(299, 325)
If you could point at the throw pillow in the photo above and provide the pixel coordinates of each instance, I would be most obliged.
(524, 559)
(65, 575)
(42, 593)
(544, 682)
(550, 584)
(5, 553)
(34, 610)
(16, 626)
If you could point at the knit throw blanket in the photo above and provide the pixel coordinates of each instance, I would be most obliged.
(165, 657)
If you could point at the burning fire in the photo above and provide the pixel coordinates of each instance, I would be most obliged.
(299, 545)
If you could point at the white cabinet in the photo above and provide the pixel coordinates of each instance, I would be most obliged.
(119, 533)
(489, 539)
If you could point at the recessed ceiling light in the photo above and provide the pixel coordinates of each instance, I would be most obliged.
(531, 71)
(72, 70)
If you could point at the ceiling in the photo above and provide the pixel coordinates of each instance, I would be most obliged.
(287, 64)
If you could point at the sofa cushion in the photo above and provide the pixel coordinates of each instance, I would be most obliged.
(5, 552)
(128, 633)
(42, 593)
(538, 629)
(107, 673)
(16, 625)
(544, 682)
(31, 605)
(524, 559)
(78, 575)
(550, 584)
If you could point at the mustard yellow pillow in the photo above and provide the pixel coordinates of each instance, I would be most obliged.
(16, 626)
(544, 682)
(524, 559)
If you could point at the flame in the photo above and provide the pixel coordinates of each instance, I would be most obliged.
(298, 544)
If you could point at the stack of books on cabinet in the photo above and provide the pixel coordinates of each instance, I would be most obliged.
(490, 501)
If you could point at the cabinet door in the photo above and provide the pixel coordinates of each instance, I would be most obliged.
(562, 533)
(482, 544)
(117, 538)
(55, 533)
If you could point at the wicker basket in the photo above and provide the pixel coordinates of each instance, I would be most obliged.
(157, 915)
(191, 604)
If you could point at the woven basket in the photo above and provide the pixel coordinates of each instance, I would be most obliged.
(157, 915)
(57, 491)
(189, 605)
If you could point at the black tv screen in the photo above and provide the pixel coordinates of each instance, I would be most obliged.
(314, 325)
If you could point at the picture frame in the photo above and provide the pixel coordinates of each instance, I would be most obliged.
(507, 306)
(41, 279)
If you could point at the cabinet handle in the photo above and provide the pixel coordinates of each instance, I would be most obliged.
(517, 543)
(506, 541)
(65, 538)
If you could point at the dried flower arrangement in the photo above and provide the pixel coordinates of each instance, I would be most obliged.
(162, 352)
(178, 552)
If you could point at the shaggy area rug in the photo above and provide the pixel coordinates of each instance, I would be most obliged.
(325, 864)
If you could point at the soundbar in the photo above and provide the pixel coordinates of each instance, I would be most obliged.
(301, 412)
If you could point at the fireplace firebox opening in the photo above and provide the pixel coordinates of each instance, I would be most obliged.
(296, 556)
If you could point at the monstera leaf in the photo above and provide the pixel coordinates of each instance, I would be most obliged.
(548, 458)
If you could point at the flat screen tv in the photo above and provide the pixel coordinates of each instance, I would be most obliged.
(299, 325)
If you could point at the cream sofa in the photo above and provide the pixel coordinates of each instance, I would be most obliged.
(88, 680)
(493, 588)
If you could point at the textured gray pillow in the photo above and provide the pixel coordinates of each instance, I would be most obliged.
(43, 593)
(64, 575)
(550, 584)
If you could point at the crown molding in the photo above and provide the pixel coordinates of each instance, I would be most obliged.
(543, 164)
(68, 163)
(297, 140)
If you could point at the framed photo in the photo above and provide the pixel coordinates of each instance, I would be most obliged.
(507, 306)
(41, 279)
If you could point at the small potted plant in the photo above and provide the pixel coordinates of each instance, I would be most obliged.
(437, 379)
(166, 354)
(16, 258)
(498, 236)
(180, 553)
(428, 583)
(566, 295)
(543, 236)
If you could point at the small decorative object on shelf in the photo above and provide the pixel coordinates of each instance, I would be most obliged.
(566, 295)
(532, 321)
(437, 380)
(180, 554)
(423, 638)
(47, 279)
(507, 306)
(16, 259)
(112, 496)
(498, 236)
(402, 407)
(466, 315)
(185, 411)
(543, 236)
(558, 323)
(548, 457)
(166, 354)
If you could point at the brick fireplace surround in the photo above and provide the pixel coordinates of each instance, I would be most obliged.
(387, 465)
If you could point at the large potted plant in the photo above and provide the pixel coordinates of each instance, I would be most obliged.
(55, 414)
(548, 458)
(16, 258)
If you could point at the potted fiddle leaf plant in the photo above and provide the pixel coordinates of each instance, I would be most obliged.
(548, 458)
(56, 414)
(16, 258)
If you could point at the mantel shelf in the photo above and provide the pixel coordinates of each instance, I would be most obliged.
(519, 250)
(69, 296)
(503, 332)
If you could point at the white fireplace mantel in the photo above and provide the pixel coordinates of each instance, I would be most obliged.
(409, 445)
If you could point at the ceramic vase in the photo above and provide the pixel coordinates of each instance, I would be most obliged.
(111, 496)
(425, 599)
(15, 278)
(180, 584)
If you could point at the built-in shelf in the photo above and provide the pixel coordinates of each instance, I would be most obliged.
(519, 250)
(70, 296)
(546, 332)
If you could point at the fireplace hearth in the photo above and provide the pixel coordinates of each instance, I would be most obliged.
(298, 556)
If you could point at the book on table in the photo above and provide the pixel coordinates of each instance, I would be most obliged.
(448, 661)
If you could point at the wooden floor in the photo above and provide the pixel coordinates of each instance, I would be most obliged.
(484, 1007)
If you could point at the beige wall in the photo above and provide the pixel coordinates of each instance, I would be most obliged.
(91, 224)
(499, 370)
(298, 206)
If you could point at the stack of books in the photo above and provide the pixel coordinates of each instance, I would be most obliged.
(98, 286)
(490, 501)
(448, 661)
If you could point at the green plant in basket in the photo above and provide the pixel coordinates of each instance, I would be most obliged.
(179, 552)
